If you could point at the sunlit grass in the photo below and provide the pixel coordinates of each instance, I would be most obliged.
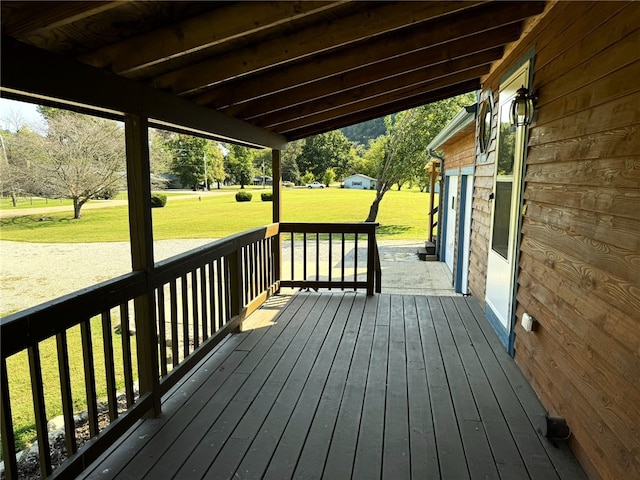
(402, 215)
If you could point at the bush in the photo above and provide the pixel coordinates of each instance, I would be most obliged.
(158, 200)
(243, 196)
(267, 197)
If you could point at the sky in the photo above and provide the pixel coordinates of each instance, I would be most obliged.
(26, 112)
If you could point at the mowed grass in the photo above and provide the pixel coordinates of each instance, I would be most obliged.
(402, 215)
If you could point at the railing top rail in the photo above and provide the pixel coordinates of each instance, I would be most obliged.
(24, 329)
(309, 227)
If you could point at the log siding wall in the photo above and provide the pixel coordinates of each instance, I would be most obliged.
(579, 270)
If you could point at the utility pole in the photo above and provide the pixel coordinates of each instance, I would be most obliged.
(206, 184)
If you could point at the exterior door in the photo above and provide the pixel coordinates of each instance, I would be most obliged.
(464, 241)
(450, 235)
(505, 208)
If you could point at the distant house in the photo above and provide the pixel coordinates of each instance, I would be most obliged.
(358, 180)
(260, 180)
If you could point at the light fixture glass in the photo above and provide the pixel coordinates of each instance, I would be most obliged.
(522, 108)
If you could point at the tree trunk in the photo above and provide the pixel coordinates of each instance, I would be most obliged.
(375, 205)
(77, 205)
(14, 199)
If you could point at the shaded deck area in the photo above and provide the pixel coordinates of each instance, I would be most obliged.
(347, 386)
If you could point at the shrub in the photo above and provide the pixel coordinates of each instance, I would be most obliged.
(158, 200)
(267, 197)
(243, 196)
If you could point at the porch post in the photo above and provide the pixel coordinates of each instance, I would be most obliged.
(276, 174)
(141, 232)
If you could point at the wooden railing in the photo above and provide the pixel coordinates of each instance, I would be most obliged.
(197, 298)
(330, 255)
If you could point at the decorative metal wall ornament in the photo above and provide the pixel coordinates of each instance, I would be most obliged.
(485, 119)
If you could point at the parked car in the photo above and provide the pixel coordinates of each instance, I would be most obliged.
(315, 184)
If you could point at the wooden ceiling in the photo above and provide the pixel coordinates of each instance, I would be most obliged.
(292, 68)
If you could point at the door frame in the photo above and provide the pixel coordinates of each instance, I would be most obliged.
(463, 257)
(507, 334)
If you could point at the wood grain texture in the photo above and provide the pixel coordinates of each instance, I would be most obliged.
(579, 266)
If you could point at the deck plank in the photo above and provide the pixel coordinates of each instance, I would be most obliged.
(451, 458)
(348, 386)
(396, 458)
(368, 460)
(339, 463)
(315, 449)
(282, 383)
(424, 456)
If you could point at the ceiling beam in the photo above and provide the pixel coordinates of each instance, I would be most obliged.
(359, 117)
(371, 99)
(36, 74)
(43, 16)
(465, 66)
(408, 69)
(373, 19)
(203, 31)
(499, 20)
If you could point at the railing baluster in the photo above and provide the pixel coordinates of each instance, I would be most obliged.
(162, 331)
(65, 393)
(330, 256)
(185, 315)
(89, 377)
(221, 298)
(342, 263)
(317, 256)
(175, 344)
(293, 260)
(355, 259)
(109, 365)
(6, 425)
(304, 256)
(39, 410)
(194, 309)
(127, 362)
(204, 306)
(212, 299)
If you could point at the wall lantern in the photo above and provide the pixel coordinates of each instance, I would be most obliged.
(522, 107)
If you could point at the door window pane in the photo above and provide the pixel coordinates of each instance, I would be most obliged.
(506, 142)
(502, 218)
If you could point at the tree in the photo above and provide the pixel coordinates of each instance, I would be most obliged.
(188, 159)
(308, 178)
(239, 165)
(83, 158)
(329, 177)
(21, 153)
(401, 155)
(327, 150)
(288, 161)
(215, 163)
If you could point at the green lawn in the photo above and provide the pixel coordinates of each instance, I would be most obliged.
(402, 215)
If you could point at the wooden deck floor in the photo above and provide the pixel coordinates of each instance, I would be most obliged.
(345, 386)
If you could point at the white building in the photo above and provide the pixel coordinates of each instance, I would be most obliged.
(358, 180)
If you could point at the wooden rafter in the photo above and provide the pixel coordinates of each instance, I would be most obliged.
(407, 70)
(374, 20)
(460, 28)
(366, 98)
(204, 31)
(382, 110)
(44, 16)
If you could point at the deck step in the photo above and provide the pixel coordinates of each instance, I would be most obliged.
(424, 255)
(430, 247)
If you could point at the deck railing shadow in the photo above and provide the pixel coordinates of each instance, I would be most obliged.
(167, 319)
